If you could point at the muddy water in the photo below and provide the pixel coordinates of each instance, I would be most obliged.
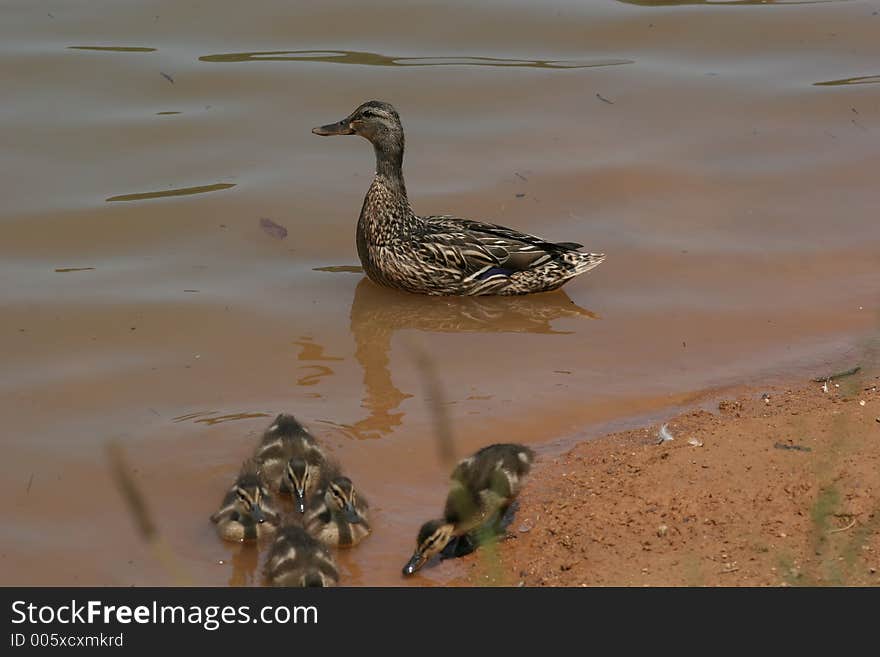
(725, 155)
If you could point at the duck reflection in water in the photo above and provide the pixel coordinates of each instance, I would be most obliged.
(245, 558)
(377, 313)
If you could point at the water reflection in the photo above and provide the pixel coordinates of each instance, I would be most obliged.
(245, 559)
(668, 3)
(180, 191)
(377, 313)
(211, 418)
(112, 48)
(864, 79)
(376, 59)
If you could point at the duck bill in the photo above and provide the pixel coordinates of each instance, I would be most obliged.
(331, 129)
(300, 500)
(413, 564)
(351, 514)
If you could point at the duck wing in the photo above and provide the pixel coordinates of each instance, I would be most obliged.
(483, 250)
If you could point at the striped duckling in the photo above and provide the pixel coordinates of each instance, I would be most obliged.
(298, 559)
(482, 488)
(339, 518)
(292, 461)
(247, 512)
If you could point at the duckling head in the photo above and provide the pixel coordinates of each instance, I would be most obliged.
(433, 537)
(300, 477)
(252, 498)
(341, 497)
(376, 121)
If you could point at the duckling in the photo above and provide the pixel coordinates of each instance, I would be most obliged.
(298, 559)
(443, 255)
(482, 488)
(247, 512)
(340, 518)
(292, 461)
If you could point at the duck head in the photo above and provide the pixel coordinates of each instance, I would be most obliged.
(341, 497)
(375, 121)
(433, 537)
(252, 498)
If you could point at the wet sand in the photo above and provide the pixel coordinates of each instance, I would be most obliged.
(750, 491)
(724, 157)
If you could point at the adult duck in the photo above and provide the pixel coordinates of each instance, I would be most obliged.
(443, 255)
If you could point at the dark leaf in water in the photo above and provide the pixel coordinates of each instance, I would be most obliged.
(272, 229)
(166, 76)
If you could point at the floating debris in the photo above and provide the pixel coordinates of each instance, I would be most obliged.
(796, 448)
(273, 229)
(843, 529)
(167, 77)
(838, 375)
(64, 270)
(603, 99)
(664, 435)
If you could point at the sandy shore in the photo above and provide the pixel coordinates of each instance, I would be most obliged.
(756, 491)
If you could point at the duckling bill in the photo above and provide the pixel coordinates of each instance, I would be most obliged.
(292, 462)
(482, 488)
(443, 255)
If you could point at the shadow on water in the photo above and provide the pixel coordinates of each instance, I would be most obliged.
(376, 59)
(377, 313)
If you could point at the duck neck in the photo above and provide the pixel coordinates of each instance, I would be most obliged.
(389, 166)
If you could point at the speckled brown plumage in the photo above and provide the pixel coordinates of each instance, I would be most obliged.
(443, 255)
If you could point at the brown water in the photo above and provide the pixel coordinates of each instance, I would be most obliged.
(724, 155)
